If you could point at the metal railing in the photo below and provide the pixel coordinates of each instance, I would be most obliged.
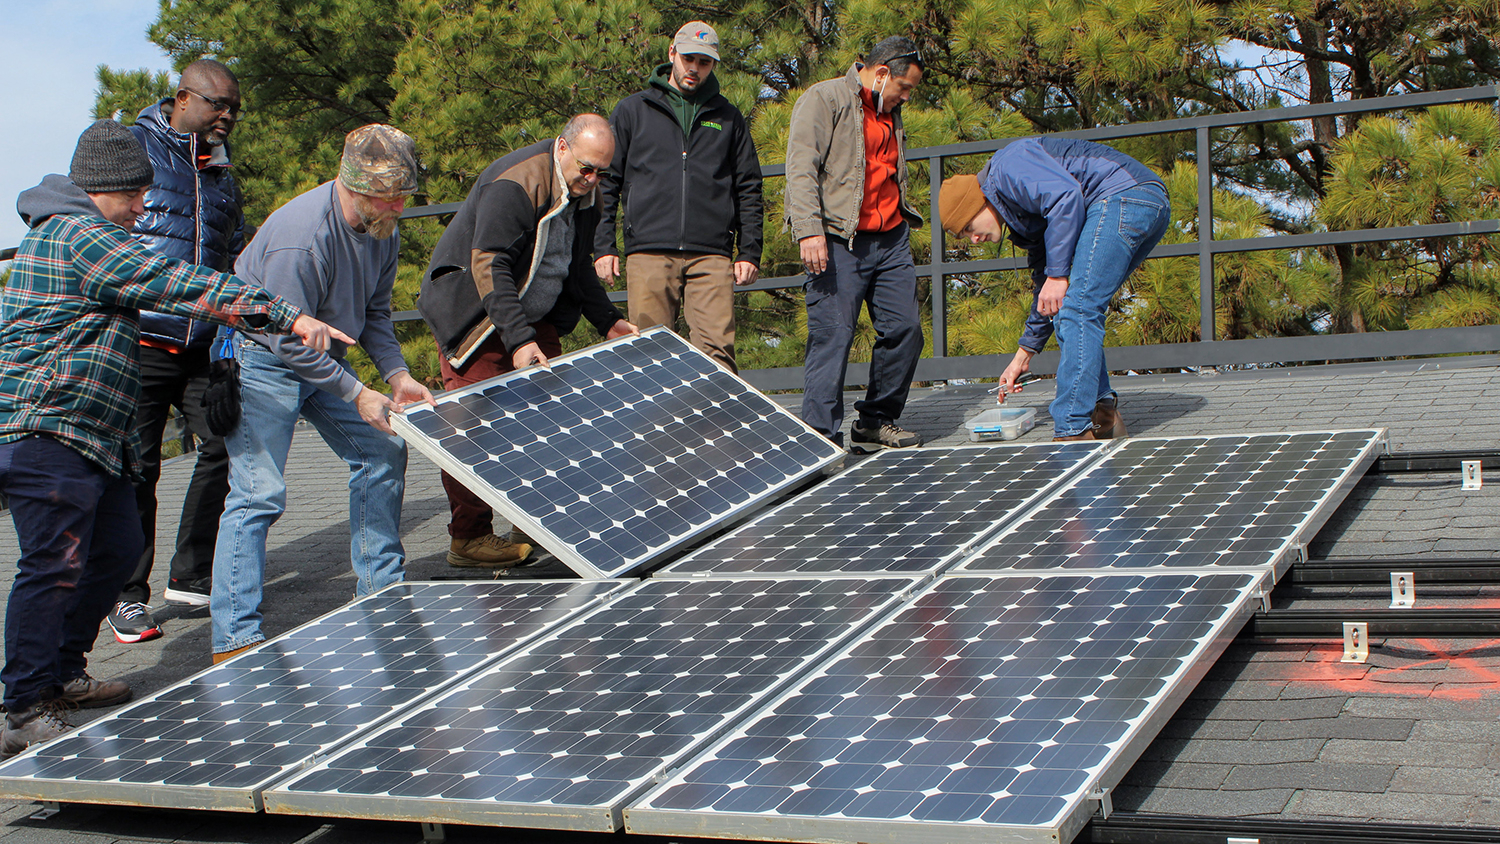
(1208, 350)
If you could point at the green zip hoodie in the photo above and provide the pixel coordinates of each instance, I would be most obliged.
(685, 107)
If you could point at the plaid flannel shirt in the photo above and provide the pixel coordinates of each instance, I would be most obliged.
(69, 358)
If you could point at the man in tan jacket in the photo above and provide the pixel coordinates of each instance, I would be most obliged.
(846, 203)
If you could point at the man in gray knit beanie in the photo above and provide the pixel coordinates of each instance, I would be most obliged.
(112, 167)
(69, 376)
(108, 159)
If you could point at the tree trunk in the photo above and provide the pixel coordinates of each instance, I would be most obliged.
(1314, 36)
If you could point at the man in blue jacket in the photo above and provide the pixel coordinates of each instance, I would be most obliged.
(1087, 215)
(192, 214)
(686, 181)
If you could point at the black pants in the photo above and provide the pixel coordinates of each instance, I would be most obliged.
(178, 380)
(78, 538)
(875, 272)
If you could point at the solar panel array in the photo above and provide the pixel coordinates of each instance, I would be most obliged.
(616, 455)
(989, 709)
(912, 510)
(783, 682)
(564, 733)
(1241, 500)
(214, 740)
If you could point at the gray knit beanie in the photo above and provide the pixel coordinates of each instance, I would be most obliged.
(109, 158)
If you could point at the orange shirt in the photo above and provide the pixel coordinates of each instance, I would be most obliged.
(880, 210)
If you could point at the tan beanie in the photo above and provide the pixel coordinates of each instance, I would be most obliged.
(959, 201)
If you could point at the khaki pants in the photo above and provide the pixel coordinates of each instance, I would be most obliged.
(700, 286)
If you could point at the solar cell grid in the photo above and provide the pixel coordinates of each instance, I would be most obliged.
(899, 511)
(213, 740)
(562, 734)
(987, 707)
(620, 453)
(1188, 502)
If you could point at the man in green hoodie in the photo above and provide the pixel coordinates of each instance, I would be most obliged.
(686, 180)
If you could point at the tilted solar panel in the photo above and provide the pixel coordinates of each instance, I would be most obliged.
(562, 735)
(989, 709)
(214, 740)
(616, 455)
(912, 510)
(1239, 500)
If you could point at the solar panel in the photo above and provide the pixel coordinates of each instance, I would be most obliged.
(562, 735)
(214, 740)
(989, 709)
(1242, 500)
(617, 455)
(911, 510)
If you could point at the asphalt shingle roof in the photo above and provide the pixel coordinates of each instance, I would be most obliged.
(1277, 729)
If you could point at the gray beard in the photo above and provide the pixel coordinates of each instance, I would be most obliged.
(381, 229)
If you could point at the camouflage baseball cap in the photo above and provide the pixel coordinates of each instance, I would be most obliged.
(379, 160)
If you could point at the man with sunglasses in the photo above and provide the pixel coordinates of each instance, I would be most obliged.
(680, 231)
(513, 272)
(846, 203)
(192, 214)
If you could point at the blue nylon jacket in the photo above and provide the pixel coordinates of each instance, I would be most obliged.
(1042, 188)
(192, 215)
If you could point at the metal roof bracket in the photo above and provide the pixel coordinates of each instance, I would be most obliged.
(1356, 641)
(1403, 590)
(1106, 805)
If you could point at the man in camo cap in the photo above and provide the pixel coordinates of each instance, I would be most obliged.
(332, 252)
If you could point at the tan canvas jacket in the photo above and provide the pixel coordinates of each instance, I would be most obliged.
(825, 160)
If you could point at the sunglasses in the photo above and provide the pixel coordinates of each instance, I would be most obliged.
(232, 109)
(585, 170)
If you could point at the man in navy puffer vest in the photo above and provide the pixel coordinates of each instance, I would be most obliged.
(193, 214)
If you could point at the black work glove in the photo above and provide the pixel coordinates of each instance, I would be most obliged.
(221, 400)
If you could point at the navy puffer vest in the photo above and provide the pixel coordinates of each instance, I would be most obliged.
(191, 214)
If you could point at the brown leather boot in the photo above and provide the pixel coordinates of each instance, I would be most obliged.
(1108, 424)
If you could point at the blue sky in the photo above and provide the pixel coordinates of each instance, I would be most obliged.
(48, 52)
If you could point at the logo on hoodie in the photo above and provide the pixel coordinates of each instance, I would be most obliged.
(712, 125)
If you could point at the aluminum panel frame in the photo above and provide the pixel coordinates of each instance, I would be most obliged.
(826, 454)
(1279, 558)
(604, 815)
(642, 817)
(857, 499)
(586, 594)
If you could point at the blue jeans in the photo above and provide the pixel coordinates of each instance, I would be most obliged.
(271, 399)
(1118, 232)
(874, 271)
(67, 582)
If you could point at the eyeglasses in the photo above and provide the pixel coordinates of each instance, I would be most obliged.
(232, 109)
(914, 55)
(584, 170)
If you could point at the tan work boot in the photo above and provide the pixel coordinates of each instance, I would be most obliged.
(218, 658)
(487, 552)
(1108, 424)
